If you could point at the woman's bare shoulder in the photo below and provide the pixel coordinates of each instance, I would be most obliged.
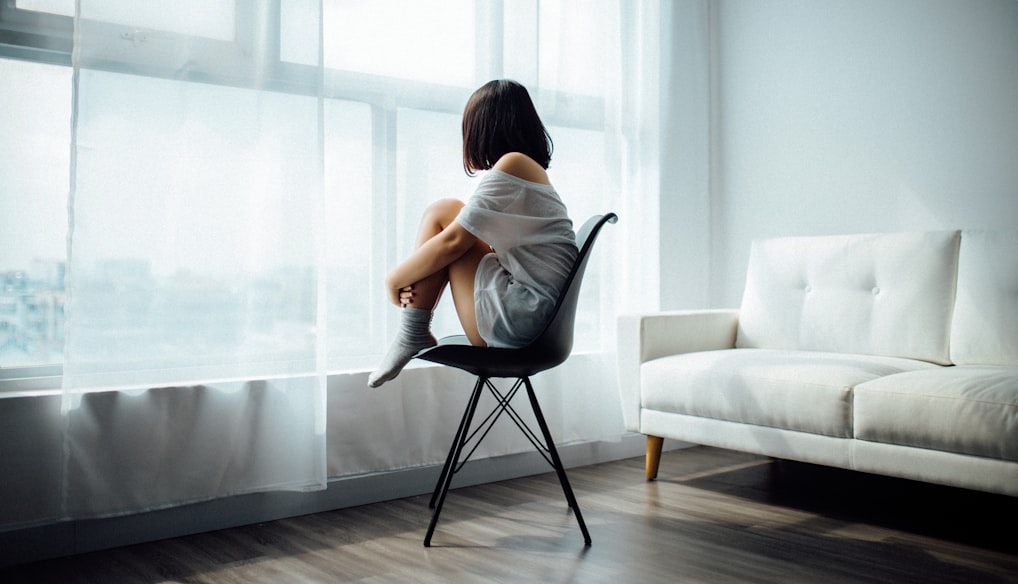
(522, 166)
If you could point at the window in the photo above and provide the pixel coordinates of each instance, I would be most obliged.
(396, 77)
(35, 114)
(60, 7)
(431, 42)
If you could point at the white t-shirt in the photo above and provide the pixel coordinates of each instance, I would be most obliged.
(531, 235)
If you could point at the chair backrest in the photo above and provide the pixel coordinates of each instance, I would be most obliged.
(555, 342)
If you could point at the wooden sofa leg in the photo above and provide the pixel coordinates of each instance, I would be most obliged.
(654, 444)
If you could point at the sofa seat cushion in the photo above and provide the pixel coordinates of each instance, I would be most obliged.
(968, 410)
(804, 391)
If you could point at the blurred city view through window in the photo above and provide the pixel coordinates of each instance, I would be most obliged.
(32, 314)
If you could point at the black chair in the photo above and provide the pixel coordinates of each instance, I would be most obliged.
(548, 350)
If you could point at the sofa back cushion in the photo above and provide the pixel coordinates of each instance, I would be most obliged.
(872, 294)
(985, 327)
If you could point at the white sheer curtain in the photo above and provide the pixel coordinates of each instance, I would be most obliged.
(243, 176)
(195, 259)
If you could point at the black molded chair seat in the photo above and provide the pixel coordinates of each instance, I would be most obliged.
(548, 350)
(456, 351)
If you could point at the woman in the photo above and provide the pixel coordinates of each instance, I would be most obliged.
(506, 253)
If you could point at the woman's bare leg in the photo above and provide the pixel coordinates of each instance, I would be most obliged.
(415, 321)
(437, 216)
(461, 279)
(460, 274)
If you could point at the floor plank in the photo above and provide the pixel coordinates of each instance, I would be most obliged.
(712, 516)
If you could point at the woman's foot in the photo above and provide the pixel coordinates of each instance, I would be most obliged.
(414, 335)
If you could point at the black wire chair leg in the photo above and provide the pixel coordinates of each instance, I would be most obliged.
(450, 466)
(461, 432)
(557, 462)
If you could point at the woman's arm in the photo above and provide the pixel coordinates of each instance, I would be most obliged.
(430, 258)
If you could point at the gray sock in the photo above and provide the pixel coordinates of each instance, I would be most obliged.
(414, 334)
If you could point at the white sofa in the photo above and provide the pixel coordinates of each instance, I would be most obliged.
(892, 353)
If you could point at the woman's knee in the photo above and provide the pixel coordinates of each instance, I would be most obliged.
(443, 210)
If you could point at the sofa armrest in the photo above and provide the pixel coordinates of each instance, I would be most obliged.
(643, 337)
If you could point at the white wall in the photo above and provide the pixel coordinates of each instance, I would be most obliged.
(684, 227)
(844, 116)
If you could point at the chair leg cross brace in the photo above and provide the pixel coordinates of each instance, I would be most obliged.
(453, 464)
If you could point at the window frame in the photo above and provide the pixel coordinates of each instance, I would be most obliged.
(35, 36)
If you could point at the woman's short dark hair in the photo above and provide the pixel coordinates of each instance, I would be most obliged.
(501, 118)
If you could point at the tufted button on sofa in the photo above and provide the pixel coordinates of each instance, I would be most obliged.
(889, 353)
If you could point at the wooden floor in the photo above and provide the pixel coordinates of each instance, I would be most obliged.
(713, 516)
